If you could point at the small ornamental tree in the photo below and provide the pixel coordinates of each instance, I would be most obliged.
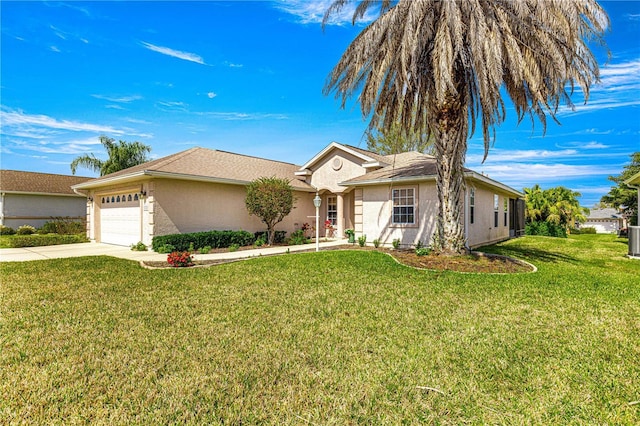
(271, 199)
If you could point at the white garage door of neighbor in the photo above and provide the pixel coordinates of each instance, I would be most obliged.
(120, 221)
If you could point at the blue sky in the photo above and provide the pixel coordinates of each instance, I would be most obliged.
(247, 77)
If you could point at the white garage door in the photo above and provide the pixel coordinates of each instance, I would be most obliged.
(120, 219)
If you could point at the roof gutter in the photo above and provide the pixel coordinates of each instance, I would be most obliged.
(406, 179)
(166, 175)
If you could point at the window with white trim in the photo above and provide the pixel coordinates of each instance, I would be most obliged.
(332, 210)
(506, 210)
(496, 207)
(472, 204)
(404, 206)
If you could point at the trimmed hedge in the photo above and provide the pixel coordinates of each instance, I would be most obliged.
(279, 237)
(213, 239)
(36, 240)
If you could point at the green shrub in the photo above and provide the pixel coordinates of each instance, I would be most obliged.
(588, 230)
(396, 243)
(422, 251)
(25, 230)
(545, 229)
(234, 247)
(165, 248)
(205, 250)
(376, 243)
(298, 238)
(45, 240)
(362, 240)
(214, 239)
(278, 238)
(260, 241)
(63, 226)
(6, 230)
(139, 246)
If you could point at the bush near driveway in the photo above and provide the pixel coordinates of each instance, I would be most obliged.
(336, 337)
(36, 240)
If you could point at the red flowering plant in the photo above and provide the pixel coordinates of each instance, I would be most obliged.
(329, 227)
(180, 259)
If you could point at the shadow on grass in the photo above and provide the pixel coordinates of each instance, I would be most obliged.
(530, 254)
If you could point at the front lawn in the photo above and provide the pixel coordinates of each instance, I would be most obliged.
(336, 337)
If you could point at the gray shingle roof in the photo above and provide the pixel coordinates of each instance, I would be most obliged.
(214, 164)
(607, 213)
(405, 165)
(41, 183)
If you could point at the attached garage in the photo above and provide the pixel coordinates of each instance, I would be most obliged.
(120, 219)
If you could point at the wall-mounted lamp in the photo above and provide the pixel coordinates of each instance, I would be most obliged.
(90, 199)
(143, 193)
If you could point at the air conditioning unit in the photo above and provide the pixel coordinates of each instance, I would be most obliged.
(634, 241)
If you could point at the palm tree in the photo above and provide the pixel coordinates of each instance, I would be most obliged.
(122, 155)
(436, 66)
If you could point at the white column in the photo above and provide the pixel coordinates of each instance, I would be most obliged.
(340, 218)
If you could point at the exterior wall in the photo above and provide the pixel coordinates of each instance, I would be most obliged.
(483, 231)
(176, 206)
(35, 210)
(336, 166)
(604, 226)
(377, 215)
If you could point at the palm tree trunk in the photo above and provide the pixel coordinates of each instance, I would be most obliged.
(450, 125)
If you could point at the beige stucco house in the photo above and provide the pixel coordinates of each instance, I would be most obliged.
(30, 198)
(383, 197)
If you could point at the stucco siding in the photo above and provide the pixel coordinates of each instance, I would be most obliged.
(35, 210)
(185, 206)
(377, 215)
(336, 166)
(483, 230)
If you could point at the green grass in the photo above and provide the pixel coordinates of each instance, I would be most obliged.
(325, 338)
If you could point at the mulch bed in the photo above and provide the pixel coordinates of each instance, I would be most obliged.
(472, 263)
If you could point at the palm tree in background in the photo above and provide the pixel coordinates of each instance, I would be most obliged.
(122, 155)
(439, 66)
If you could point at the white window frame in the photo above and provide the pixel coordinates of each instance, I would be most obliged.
(404, 198)
(472, 205)
(496, 209)
(332, 209)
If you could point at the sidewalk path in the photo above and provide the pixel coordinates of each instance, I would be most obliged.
(99, 249)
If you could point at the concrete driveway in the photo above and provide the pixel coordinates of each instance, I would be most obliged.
(76, 250)
(99, 249)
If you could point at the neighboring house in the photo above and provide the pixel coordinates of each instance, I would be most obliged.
(383, 197)
(606, 221)
(29, 198)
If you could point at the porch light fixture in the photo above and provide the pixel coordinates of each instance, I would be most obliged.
(143, 193)
(316, 202)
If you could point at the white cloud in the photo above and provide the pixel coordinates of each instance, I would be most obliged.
(242, 116)
(192, 57)
(19, 121)
(594, 145)
(496, 155)
(211, 95)
(54, 49)
(312, 12)
(119, 99)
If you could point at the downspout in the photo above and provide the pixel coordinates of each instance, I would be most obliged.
(2, 209)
